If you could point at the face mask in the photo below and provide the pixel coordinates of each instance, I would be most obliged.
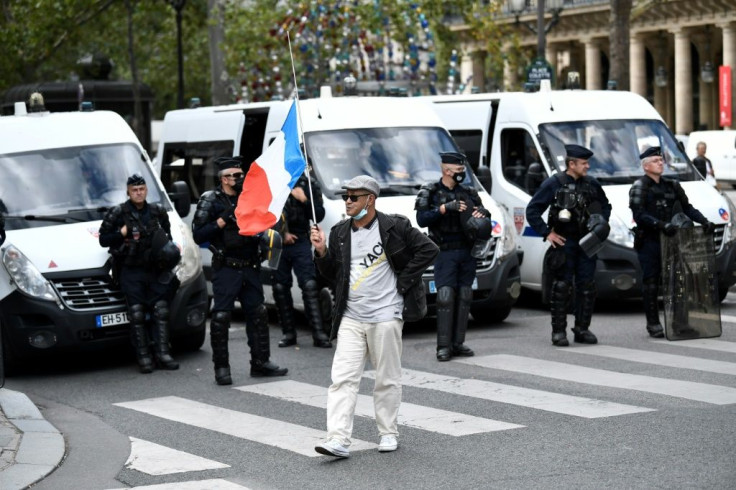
(238, 185)
(459, 177)
(361, 214)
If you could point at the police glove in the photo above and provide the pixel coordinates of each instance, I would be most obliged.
(708, 227)
(668, 229)
(453, 206)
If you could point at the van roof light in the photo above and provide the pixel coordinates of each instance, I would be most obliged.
(545, 85)
(325, 92)
(20, 109)
(86, 106)
(35, 102)
(194, 102)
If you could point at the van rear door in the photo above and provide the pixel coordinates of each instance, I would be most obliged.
(468, 122)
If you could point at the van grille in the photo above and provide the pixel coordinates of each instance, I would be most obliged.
(718, 237)
(89, 293)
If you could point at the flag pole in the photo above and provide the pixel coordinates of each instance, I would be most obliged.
(301, 130)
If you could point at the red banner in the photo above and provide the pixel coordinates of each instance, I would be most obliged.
(724, 93)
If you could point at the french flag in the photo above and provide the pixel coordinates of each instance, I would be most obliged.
(270, 179)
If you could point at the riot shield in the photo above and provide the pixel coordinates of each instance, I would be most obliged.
(690, 286)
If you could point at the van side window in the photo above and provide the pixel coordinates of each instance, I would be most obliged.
(520, 160)
(469, 142)
(193, 163)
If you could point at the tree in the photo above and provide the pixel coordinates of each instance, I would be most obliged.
(620, 19)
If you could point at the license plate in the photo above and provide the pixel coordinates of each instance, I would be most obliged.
(110, 319)
(433, 287)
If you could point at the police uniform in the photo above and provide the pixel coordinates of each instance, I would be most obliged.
(569, 201)
(653, 206)
(295, 219)
(136, 267)
(235, 275)
(454, 269)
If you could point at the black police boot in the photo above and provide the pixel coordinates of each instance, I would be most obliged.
(559, 297)
(161, 337)
(285, 309)
(139, 338)
(312, 310)
(445, 318)
(464, 298)
(583, 314)
(650, 291)
(219, 328)
(260, 348)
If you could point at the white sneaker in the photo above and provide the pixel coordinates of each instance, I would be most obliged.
(333, 448)
(387, 444)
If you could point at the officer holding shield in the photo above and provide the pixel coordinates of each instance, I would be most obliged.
(577, 227)
(654, 200)
(236, 266)
(456, 219)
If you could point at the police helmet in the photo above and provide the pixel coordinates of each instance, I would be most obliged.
(169, 256)
(478, 228)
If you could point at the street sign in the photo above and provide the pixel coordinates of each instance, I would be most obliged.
(539, 69)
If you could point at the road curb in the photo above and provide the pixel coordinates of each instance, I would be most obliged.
(35, 449)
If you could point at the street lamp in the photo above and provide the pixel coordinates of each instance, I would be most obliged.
(178, 6)
(554, 7)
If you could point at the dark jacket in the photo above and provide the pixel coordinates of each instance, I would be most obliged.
(144, 222)
(409, 253)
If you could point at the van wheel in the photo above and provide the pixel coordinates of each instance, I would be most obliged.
(490, 315)
(190, 343)
(722, 293)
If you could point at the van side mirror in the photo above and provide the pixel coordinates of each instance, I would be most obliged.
(179, 195)
(484, 176)
(534, 177)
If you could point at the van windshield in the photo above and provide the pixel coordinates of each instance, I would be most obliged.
(65, 185)
(616, 146)
(400, 159)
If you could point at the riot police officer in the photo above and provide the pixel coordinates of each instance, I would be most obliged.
(294, 227)
(235, 273)
(653, 200)
(138, 234)
(571, 196)
(450, 209)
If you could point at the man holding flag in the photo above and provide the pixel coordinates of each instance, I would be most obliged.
(236, 264)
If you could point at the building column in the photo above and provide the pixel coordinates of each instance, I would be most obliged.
(683, 83)
(510, 75)
(706, 104)
(592, 65)
(479, 71)
(550, 54)
(466, 72)
(729, 59)
(638, 65)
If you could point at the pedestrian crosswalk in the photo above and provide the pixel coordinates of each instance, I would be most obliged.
(674, 367)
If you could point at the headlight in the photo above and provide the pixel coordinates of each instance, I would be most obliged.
(620, 233)
(26, 277)
(507, 241)
(729, 234)
(190, 264)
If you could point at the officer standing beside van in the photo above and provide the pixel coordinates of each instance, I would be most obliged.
(450, 209)
(294, 227)
(579, 213)
(654, 200)
(236, 266)
(138, 234)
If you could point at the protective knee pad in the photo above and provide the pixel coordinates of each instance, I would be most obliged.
(559, 298)
(161, 310)
(465, 295)
(445, 296)
(137, 314)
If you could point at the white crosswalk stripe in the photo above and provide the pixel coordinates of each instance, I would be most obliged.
(658, 358)
(717, 395)
(214, 484)
(410, 415)
(154, 459)
(284, 435)
(541, 400)
(709, 344)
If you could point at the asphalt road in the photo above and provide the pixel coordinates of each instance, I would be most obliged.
(647, 414)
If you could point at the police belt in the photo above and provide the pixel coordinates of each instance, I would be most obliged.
(454, 245)
(234, 263)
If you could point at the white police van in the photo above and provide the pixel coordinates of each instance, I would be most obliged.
(521, 137)
(59, 174)
(395, 140)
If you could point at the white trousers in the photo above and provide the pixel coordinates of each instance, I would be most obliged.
(357, 342)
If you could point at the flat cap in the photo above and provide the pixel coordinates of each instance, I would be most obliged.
(136, 179)
(577, 151)
(650, 152)
(454, 157)
(364, 182)
(224, 163)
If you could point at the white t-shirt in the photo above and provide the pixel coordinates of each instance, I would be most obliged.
(372, 295)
